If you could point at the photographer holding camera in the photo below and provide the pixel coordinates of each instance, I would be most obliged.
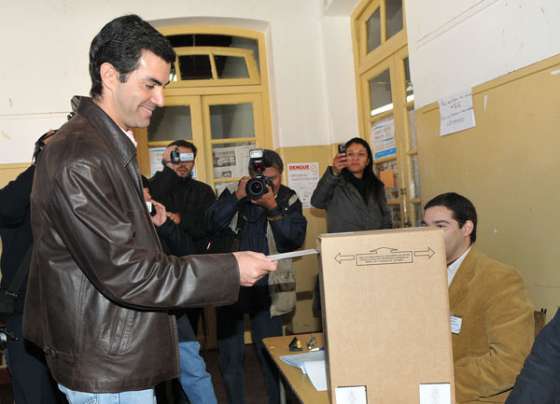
(185, 198)
(31, 380)
(186, 201)
(266, 217)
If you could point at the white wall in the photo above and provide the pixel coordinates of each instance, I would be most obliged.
(340, 79)
(458, 44)
(45, 46)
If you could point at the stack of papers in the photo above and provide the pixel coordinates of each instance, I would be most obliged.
(311, 364)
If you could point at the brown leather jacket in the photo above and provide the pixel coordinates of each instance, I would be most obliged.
(99, 285)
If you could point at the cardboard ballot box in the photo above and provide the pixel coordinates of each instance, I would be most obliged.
(386, 317)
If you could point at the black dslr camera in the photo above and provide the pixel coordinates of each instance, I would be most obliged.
(178, 157)
(258, 185)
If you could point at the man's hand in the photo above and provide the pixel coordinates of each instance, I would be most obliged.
(253, 266)
(268, 200)
(241, 193)
(176, 217)
(166, 156)
(161, 214)
(339, 163)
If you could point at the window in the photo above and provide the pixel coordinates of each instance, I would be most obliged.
(386, 100)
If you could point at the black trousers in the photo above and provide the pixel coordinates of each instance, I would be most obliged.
(231, 349)
(31, 379)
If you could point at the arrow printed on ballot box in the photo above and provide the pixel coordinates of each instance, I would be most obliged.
(384, 256)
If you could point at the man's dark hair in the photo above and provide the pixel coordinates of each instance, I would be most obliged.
(462, 209)
(270, 159)
(184, 143)
(120, 43)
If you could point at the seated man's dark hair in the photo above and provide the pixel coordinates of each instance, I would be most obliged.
(120, 43)
(462, 209)
(184, 143)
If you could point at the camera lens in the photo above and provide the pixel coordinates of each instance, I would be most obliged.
(255, 188)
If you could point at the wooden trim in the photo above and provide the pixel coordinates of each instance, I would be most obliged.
(11, 166)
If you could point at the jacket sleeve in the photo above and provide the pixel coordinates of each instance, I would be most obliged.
(510, 332)
(288, 224)
(178, 242)
(538, 381)
(15, 199)
(162, 183)
(194, 217)
(323, 193)
(222, 211)
(102, 240)
(387, 220)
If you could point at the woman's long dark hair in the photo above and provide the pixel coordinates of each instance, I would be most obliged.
(373, 184)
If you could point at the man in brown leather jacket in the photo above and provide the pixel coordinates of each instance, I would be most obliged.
(99, 286)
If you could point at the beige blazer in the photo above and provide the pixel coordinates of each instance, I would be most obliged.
(496, 332)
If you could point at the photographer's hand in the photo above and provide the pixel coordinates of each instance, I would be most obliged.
(166, 156)
(339, 163)
(176, 217)
(241, 193)
(268, 200)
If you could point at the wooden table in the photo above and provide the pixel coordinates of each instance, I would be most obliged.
(298, 382)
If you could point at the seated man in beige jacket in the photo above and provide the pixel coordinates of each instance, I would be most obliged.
(491, 316)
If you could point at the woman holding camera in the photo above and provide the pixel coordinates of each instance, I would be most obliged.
(351, 193)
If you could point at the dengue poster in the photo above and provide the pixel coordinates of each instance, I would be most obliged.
(303, 178)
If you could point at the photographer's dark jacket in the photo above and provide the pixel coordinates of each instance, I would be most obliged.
(254, 226)
(176, 241)
(15, 228)
(187, 196)
(99, 286)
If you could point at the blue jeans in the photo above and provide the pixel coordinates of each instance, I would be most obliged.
(125, 397)
(195, 380)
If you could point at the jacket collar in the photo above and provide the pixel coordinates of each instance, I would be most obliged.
(107, 129)
(458, 289)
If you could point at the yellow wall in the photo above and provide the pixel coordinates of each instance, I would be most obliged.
(508, 166)
(308, 267)
(9, 172)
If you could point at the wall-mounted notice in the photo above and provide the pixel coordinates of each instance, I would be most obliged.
(303, 178)
(383, 139)
(456, 113)
(156, 154)
(231, 161)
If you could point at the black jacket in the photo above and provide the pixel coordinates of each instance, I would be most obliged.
(539, 380)
(187, 196)
(99, 286)
(287, 221)
(15, 228)
(288, 228)
(176, 241)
